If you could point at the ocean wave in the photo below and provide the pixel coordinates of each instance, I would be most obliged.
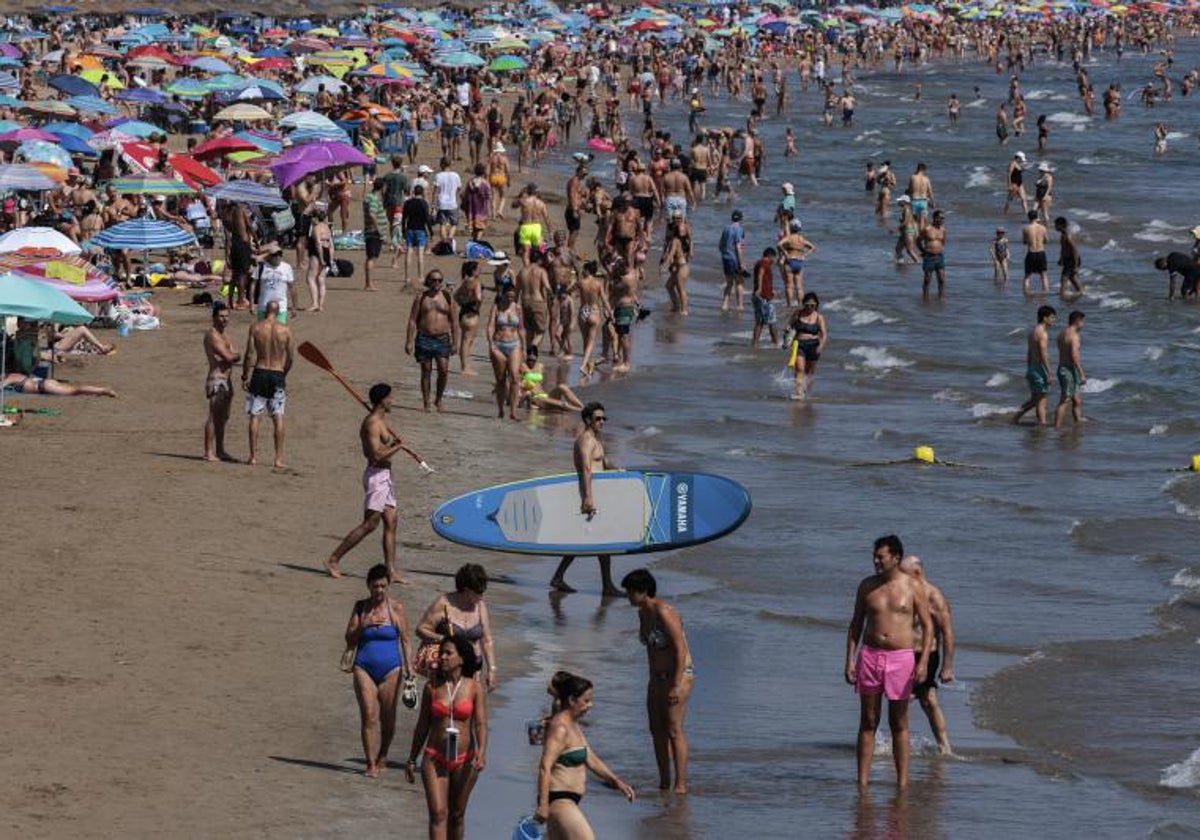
(1098, 386)
(1090, 161)
(878, 358)
(1184, 774)
(1153, 353)
(948, 395)
(1186, 511)
(981, 410)
(1158, 429)
(1186, 579)
(1156, 230)
(1068, 118)
(1112, 300)
(1176, 135)
(651, 431)
(998, 379)
(980, 177)
(868, 135)
(1111, 245)
(865, 317)
(1093, 215)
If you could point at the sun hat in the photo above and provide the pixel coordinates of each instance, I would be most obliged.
(1043, 167)
(498, 258)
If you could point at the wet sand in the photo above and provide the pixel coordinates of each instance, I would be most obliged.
(171, 639)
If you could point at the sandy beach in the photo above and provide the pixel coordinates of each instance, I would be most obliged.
(178, 663)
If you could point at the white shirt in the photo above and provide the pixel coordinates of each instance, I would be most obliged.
(274, 285)
(448, 184)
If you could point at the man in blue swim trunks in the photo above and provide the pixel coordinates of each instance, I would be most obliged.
(1071, 377)
(433, 334)
(920, 190)
(1037, 365)
(932, 243)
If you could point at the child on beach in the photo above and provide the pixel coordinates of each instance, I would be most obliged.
(999, 254)
(789, 149)
(1160, 138)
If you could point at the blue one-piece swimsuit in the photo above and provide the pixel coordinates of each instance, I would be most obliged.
(378, 651)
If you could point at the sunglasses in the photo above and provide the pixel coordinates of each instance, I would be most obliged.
(599, 418)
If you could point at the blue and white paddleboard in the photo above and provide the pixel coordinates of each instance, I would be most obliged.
(636, 512)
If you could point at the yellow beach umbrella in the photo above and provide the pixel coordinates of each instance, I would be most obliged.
(96, 76)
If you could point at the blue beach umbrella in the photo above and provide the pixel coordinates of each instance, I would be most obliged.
(43, 151)
(92, 105)
(73, 85)
(248, 192)
(144, 235)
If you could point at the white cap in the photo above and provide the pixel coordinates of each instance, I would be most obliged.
(794, 224)
(1020, 156)
(424, 170)
(1043, 167)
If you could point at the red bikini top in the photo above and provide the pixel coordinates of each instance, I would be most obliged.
(463, 709)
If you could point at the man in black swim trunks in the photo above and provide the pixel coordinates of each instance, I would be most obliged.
(1179, 263)
(264, 376)
(433, 334)
(1034, 235)
(941, 654)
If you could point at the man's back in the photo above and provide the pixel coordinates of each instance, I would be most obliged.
(272, 344)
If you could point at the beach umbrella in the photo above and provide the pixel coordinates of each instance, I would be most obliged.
(9, 125)
(144, 235)
(211, 64)
(73, 85)
(318, 135)
(21, 135)
(221, 146)
(42, 151)
(98, 77)
(312, 158)
(112, 138)
(136, 128)
(273, 63)
(260, 93)
(75, 145)
(188, 88)
(92, 105)
(458, 59)
(312, 84)
(74, 276)
(9, 82)
(151, 96)
(68, 129)
(150, 184)
(51, 107)
(307, 119)
(385, 70)
(248, 192)
(266, 141)
(43, 241)
(22, 177)
(242, 111)
(506, 63)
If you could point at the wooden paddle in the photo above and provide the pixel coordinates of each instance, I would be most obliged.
(309, 351)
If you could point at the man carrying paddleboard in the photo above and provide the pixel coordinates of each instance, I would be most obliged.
(589, 459)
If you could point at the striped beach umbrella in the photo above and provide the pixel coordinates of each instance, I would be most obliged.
(504, 63)
(74, 276)
(307, 119)
(150, 184)
(92, 105)
(53, 107)
(248, 192)
(144, 235)
(42, 151)
(19, 176)
(242, 111)
(188, 88)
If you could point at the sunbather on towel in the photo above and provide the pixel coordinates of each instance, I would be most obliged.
(21, 383)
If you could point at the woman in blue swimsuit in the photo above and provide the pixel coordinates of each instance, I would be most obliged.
(378, 631)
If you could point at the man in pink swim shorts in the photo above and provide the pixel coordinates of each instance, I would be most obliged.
(379, 504)
(886, 607)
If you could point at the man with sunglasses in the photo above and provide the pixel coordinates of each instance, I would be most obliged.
(589, 459)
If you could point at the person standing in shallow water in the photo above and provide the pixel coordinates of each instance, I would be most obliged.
(1037, 366)
(1071, 377)
(941, 657)
(886, 606)
(672, 675)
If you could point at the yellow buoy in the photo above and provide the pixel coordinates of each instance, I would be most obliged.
(1196, 463)
(924, 454)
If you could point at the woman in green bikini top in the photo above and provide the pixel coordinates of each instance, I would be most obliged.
(566, 758)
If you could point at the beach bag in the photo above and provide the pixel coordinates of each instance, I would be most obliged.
(425, 661)
(341, 268)
(479, 251)
(283, 220)
(442, 249)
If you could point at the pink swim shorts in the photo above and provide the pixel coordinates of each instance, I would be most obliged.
(379, 489)
(887, 671)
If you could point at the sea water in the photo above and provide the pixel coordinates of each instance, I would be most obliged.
(1069, 557)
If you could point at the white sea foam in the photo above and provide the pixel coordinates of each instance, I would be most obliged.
(864, 317)
(459, 395)
(1185, 511)
(1184, 774)
(980, 410)
(948, 395)
(867, 135)
(980, 177)
(1176, 135)
(1156, 230)
(1152, 354)
(737, 453)
(1098, 386)
(1092, 215)
(1111, 245)
(1112, 300)
(1089, 161)
(1186, 579)
(1158, 429)
(1068, 118)
(998, 379)
(651, 431)
(878, 358)
(1039, 93)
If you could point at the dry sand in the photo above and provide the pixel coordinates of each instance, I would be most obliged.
(171, 645)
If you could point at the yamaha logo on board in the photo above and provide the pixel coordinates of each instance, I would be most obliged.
(682, 514)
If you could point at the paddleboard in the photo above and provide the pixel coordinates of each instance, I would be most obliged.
(636, 512)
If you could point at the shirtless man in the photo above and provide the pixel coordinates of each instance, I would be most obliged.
(699, 170)
(645, 195)
(378, 447)
(534, 293)
(222, 356)
(1071, 377)
(1034, 234)
(432, 334)
(942, 653)
(920, 190)
(562, 268)
(241, 255)
(887, 605)
(534, 224)
(1069, 259)
(625, 305)
(624, 229)
(677, 191)
(593, 309)
(589, 459)
(573, 214)
(1037, 365)
(264, 376)
(932, 243)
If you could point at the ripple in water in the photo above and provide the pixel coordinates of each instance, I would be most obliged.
(878, 358)
(998, 379)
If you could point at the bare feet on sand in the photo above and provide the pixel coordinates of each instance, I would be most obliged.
(332, 566)
(560, 585)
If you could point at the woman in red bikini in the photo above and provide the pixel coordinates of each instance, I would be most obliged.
(452, 732)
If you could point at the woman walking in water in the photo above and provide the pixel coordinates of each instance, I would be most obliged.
(671, 675)
(566, 758)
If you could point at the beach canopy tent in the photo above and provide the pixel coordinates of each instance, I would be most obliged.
(35, 302)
